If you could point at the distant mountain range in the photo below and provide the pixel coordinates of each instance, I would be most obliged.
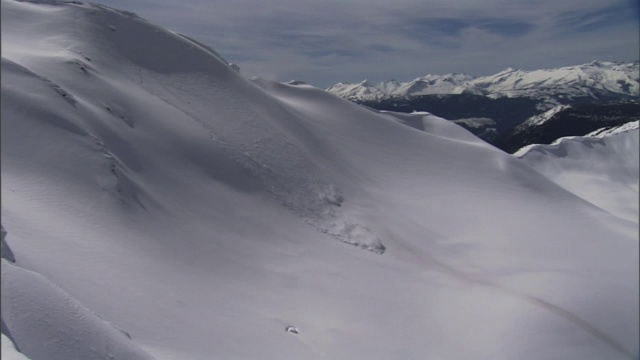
(491, 107)
(579, 83)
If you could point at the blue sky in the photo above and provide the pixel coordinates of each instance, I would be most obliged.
(325, 42)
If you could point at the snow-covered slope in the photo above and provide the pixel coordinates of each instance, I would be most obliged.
(601, 167)
(48, 323)
(9, 351)
(543, 117)
(148, 189)
(630, 126)
(595, 80)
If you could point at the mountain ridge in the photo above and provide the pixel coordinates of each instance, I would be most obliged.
(598, 80)
(567, 120)
(581, 165)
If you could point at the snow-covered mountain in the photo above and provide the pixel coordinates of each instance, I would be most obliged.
(596, 80)
(429, 84)
(566, 120)
(159, 205)
(585, 165)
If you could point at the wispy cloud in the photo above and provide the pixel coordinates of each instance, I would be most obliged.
(323, 42)
(596, 20)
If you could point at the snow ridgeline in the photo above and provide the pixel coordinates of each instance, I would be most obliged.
(601, 167)
(633, 125)
(9, 351)
(144, 177)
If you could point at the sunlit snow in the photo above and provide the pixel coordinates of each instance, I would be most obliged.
(593, 80)
(601, 167)
(160, 205)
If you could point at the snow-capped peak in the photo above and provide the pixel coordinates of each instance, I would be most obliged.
(597, 79)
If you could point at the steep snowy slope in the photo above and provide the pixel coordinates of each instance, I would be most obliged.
(601, 167)
(147, 185)
(596, 80)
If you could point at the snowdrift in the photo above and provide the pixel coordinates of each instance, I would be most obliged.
(148, 184)
(50, 324)
(601, 167)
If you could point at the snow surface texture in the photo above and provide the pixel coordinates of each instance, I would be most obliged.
(596, 79)
(9, 351)
(601, 167)
(144, 180)
(50, 324)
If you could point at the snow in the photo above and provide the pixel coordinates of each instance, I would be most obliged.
(593, 80)
(9, 351)
(633, 125)
(539, 119)
(52, 325)
(5, 249)
(475, 122)
(429, 84)
(584, 166)
(148, 188)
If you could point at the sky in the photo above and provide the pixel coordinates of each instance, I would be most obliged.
(330, 41)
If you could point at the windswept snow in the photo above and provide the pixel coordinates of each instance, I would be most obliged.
(144, 180)
(47, 323)
(601, 167)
